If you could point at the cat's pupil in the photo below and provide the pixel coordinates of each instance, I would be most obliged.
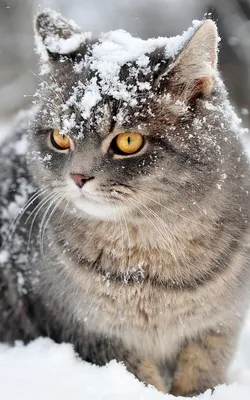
(129, 140)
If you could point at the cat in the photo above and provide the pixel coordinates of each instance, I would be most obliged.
(133, 243)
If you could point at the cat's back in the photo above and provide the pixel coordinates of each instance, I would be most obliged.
(15, 185)
(15, 190)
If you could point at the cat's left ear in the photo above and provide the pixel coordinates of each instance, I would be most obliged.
(55, 35)
(193, 72)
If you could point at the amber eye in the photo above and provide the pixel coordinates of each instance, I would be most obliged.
(60, 141)
(128, 142)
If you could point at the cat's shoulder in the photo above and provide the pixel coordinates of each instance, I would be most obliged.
(16, 185)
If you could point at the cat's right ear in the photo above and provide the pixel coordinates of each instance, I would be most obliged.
(55, 35)
(192, 74)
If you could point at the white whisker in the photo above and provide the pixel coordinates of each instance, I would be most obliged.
(168, 209)
(47, 84)
(164, 225)
(36, 211)
(15, 222)
(44, 224)
(129, 242)
(122, 236)
(156, 229)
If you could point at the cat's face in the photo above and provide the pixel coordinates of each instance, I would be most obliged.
(117, 137)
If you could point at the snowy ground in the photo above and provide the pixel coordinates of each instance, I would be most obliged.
(45, 370)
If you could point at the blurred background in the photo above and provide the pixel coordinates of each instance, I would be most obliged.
(145, 18)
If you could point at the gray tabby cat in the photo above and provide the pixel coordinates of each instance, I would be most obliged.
(135, 244)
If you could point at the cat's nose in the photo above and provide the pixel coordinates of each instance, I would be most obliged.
(80, 179)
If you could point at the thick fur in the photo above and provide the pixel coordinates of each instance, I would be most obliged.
(158, 279)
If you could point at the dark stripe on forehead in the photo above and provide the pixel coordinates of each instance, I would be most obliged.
(158, 62)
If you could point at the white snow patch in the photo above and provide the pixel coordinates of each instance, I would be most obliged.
(21, 146)
(90, 98)
(66, 46)
(244, 111)
(46, 370)
(109, 54)
(13, 209)
(4, 256)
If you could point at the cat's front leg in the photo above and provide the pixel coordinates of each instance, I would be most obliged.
(100, 351)
(203, 364)
(146, 370)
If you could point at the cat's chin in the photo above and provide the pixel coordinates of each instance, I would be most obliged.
(103, 211)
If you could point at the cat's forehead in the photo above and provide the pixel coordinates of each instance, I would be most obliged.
(119, 69)
(110, 78)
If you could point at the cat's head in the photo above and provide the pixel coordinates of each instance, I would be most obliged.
(124, 124)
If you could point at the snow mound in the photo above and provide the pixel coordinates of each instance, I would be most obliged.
(46, 370)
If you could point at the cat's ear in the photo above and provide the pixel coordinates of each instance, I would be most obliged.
(192, 73)
(55, 35)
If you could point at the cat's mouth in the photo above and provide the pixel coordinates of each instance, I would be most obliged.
(98, 207)
(97, 200)
(94, 197)
(98, 192)
(101, 195)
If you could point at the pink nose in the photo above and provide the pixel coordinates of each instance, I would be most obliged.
(80, 179)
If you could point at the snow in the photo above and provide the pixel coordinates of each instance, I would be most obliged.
(244, 111)
(65, 46)
(47, 370)
(117, 46)
(110, 53)
(112, 50)
(5, 129)
(4, 256)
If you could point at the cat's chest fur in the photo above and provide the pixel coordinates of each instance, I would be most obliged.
(115, 286)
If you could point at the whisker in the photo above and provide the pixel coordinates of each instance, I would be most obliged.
(166, 228)
(54, 79)
(155, 227)
(44, 224)
(122, 236)
(38, 205)
(46, 83)
(168, 209)
(15, 222)
(129, 242)
(36, 211)
(63, 213)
